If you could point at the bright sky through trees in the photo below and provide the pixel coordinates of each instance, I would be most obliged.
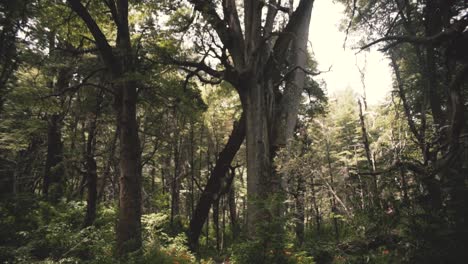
(327, 43)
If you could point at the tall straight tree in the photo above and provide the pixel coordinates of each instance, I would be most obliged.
(262, 59)
(120, 62)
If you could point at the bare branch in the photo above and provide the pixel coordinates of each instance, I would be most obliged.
(457, 28)
(353, 12)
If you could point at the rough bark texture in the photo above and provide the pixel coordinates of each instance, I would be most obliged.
(260, 184)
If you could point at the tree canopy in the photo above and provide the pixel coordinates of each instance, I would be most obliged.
(201, 131)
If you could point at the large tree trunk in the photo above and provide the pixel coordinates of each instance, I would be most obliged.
(258, 61)
(214, 186)
(260, 183)
(129, 224)
(271, 121)
(456, 170)
(121, 65)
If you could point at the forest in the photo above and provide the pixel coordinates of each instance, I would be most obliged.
(203, 131)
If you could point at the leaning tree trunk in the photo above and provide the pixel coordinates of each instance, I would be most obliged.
(214, 186)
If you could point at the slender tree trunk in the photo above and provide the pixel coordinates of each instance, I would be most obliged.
(91, 167)
(216, 223)
(233, 209)
(192, 168)
(110, 159)
(332, 197)
(365, 141)
(92, 191)
(300, 209)
(223, 226)
(315, 205)
(175, 192)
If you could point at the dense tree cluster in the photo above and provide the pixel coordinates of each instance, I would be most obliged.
(200, 131)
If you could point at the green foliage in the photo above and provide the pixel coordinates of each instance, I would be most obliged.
(248, 252)
(254, 252)
(34, 231)
(54, 234)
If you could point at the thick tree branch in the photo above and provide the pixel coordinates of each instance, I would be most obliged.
(101, 40)
(227, 30)
(270, 17)
(458, 28)
(232, 18)
(401, 93)
(290, 31)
